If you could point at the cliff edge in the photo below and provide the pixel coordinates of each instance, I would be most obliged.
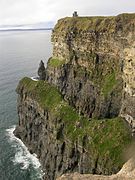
(73, 119)
(93, 64)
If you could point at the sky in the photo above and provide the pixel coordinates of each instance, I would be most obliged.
(27, 12)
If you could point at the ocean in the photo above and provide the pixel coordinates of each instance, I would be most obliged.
(20, 55)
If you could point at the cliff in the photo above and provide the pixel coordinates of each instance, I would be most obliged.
(63, 140)
(73, 120)
(126, 173)
(93, 64)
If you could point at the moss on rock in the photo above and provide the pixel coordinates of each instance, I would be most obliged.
(109, 83)
(55, 62)
(95, 23)
(106, 138)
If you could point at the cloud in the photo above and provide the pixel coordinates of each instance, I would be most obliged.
(34, 11)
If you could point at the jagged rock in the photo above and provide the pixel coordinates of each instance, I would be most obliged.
(41, 71)
(126, 173)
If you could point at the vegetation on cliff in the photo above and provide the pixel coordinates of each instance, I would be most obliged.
(96, 23)
(55, 62)
(71, 120)
(104, 139)
(109, 83)
(47, 96)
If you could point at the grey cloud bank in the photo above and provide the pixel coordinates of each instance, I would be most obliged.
(14, 12)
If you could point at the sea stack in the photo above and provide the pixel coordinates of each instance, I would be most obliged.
(41, 71)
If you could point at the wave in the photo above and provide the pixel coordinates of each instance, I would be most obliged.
(22, 155)
(34, 78)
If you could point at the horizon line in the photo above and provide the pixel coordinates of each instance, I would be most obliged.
(29, 29)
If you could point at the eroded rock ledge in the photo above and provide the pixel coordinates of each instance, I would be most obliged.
(73, 119)
(126, 173)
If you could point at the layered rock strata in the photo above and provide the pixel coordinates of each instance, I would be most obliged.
(93, 64)
(71, 120)
(126, 173)
(63, 140)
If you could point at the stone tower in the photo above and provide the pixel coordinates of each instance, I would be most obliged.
(75, 14)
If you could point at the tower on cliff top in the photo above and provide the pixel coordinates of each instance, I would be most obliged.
(75, 14)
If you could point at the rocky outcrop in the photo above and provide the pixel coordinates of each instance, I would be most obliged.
(71, 120)
(128, 104)
(126, 173)
(41, 71)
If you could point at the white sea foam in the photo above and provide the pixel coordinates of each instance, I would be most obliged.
(34, 78)
(22, 156)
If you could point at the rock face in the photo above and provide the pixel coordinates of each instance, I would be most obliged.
(96, 73)
(128, 105)
(41, 71)
(70, 120)
(126, 173)
(63, 140)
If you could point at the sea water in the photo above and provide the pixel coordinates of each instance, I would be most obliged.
(20, 54)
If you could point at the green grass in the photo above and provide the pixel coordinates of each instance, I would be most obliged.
(110, 136)
(47, 96)
(107, 138)
(99, 24)
(81, 23)
(109, 83)
(55, 62)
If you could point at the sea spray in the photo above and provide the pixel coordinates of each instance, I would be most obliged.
(22, 156)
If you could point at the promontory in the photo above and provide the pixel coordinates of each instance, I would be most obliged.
(81, 116)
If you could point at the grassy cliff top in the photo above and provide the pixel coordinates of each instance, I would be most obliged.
(106, 138)
(95, 23)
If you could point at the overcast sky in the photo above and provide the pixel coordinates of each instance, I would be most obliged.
(34, 11)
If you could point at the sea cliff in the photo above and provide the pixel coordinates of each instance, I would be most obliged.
(93, 64)
(74, 119)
